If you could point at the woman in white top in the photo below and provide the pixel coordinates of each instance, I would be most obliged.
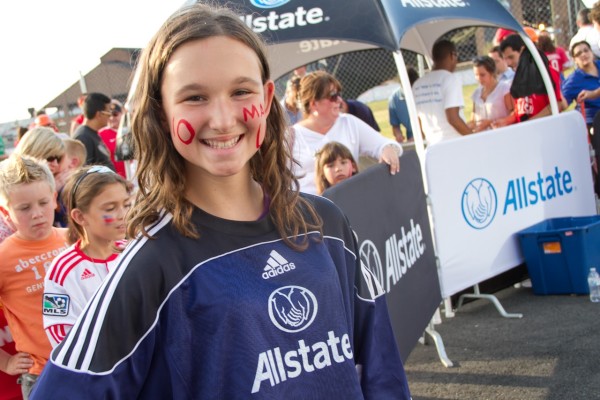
(323, 122)
(492, 103)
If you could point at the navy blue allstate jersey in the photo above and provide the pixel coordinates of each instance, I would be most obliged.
(235, 314)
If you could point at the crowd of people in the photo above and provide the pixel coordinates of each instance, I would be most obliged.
(227, 177)
(167, 274)
(510, 87)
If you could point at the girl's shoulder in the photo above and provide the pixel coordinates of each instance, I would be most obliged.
(329, 212)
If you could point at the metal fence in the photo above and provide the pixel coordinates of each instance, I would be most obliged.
(361, 71)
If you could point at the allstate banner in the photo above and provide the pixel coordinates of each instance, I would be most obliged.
(389, 215)
(485, 188)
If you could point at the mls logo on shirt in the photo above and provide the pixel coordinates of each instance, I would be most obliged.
(56, 304)
(292, 308)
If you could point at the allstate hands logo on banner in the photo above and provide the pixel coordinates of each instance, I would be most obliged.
(479, 203)
(268, 3)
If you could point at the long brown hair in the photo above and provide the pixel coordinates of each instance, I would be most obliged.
(161, 183)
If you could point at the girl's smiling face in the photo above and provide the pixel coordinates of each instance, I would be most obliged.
(216, 105)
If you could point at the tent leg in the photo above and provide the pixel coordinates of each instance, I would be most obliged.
(439, 345)
(448, 312)
(478, 295)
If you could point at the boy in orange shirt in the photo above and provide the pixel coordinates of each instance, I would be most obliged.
(27, 201)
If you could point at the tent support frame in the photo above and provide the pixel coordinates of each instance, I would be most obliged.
(431, 333)
(478, 295)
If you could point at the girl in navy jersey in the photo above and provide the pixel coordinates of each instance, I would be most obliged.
(97, 200)
(235, 286)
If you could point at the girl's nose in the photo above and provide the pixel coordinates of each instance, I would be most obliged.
(222, 116)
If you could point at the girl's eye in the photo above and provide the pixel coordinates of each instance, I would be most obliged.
(127, 205)
(195, 98)
(108, 209)
(242, 92)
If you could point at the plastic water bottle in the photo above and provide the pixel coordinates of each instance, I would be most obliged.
(594, 284)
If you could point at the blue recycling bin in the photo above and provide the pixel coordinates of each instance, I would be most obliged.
(559, 253)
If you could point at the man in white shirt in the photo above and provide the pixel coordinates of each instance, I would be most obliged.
(586, 32)
(439, 97)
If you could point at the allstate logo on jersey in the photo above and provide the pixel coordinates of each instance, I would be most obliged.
(268, 3)
(292, 308)
(479, 203)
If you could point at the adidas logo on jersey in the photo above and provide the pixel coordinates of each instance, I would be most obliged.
(87, 274)
(276, 265)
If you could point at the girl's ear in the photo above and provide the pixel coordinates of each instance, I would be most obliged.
(269, 94)
(78, 217)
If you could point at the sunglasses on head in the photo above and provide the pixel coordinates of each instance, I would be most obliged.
(58, 159)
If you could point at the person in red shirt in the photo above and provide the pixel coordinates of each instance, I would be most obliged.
(109, 136)
(557, 56)
(534, 105)
(11, 390)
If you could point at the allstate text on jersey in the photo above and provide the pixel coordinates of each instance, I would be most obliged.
(433, 3)
(274, 21)
(522, 192)
(275, 367)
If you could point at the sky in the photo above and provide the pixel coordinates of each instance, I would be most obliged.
(45, 44)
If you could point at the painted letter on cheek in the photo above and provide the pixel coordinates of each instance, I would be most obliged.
(254, 113)
(258, 136)
(186, 132)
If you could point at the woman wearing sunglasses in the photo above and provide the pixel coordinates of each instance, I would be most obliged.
(43, 143)
(324, 122)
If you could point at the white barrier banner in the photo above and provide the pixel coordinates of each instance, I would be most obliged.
(487, 187)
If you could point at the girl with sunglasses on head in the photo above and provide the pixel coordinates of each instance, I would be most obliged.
(235, 286)
(44, 144)
(97, 200)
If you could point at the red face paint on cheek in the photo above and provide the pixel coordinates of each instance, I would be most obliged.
(185, 132)
(253, 113)
(258, 137)
(108, 219)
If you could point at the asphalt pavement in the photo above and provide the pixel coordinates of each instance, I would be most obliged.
(551, 353)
